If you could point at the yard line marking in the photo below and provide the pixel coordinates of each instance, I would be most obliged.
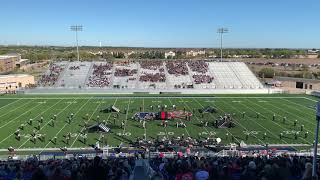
(296, 115)
(195, 116)
(65, 124)
(297, 109)
(10, 103)
(18, 117)
(34, 118)
(16, 108)
(186, 130)
(125, 124)
(273, 121)
(143, 104)
(299, 105)
(257, 124)
(311, 99)
(241, 124)
(44, 125)
(213, 116)
(88, 121)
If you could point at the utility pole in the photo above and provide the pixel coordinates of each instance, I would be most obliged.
(315, 145)
(77, 28)
(221, 31)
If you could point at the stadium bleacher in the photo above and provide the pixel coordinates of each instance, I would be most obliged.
(74, 75)
(155, 75)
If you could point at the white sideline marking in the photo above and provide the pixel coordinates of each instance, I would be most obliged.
(165, 97)
(10, 103)
(16, 108)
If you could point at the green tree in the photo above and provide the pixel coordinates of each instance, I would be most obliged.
(267, 73)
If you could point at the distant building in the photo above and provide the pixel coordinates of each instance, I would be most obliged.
(313, 51)
(196, 53)
(169, 54)
(8, 62)
(22, 63)
(291, 83)
(10, 83)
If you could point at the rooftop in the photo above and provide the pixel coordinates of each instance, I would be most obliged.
(297, 79)
(6, 56)
(14, 75)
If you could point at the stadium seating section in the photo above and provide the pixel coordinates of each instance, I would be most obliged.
(174, 74)
(161, 168)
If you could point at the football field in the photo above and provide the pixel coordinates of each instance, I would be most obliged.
(256, 127)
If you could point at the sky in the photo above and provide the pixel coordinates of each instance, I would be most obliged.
(162, 23)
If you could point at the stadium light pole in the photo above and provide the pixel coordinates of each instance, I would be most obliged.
(315, 146)
(77, 28)
(221, 31)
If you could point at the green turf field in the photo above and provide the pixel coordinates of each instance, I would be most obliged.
(15, 110)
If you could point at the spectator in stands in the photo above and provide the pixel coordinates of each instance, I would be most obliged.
(148, 77)
(125, 72)
(151, 65)
(177, 68)
(51, 77)
(100, 75)
(307, 175)
(250, 172)
(198, 66)
(202, 173)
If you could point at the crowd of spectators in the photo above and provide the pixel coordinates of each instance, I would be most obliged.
(151, 65)
(198, 66)
(177, 68)
(181, 167)
(233, 168)
(200, 79)
(74, 68)
(51, 78)
(68, 169)
(99, 77)
(125, 72)
(149, 77)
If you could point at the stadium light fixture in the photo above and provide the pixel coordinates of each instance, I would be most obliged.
(77, 28)
(222, 31)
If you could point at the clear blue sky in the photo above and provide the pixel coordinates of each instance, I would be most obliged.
(162, 23)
